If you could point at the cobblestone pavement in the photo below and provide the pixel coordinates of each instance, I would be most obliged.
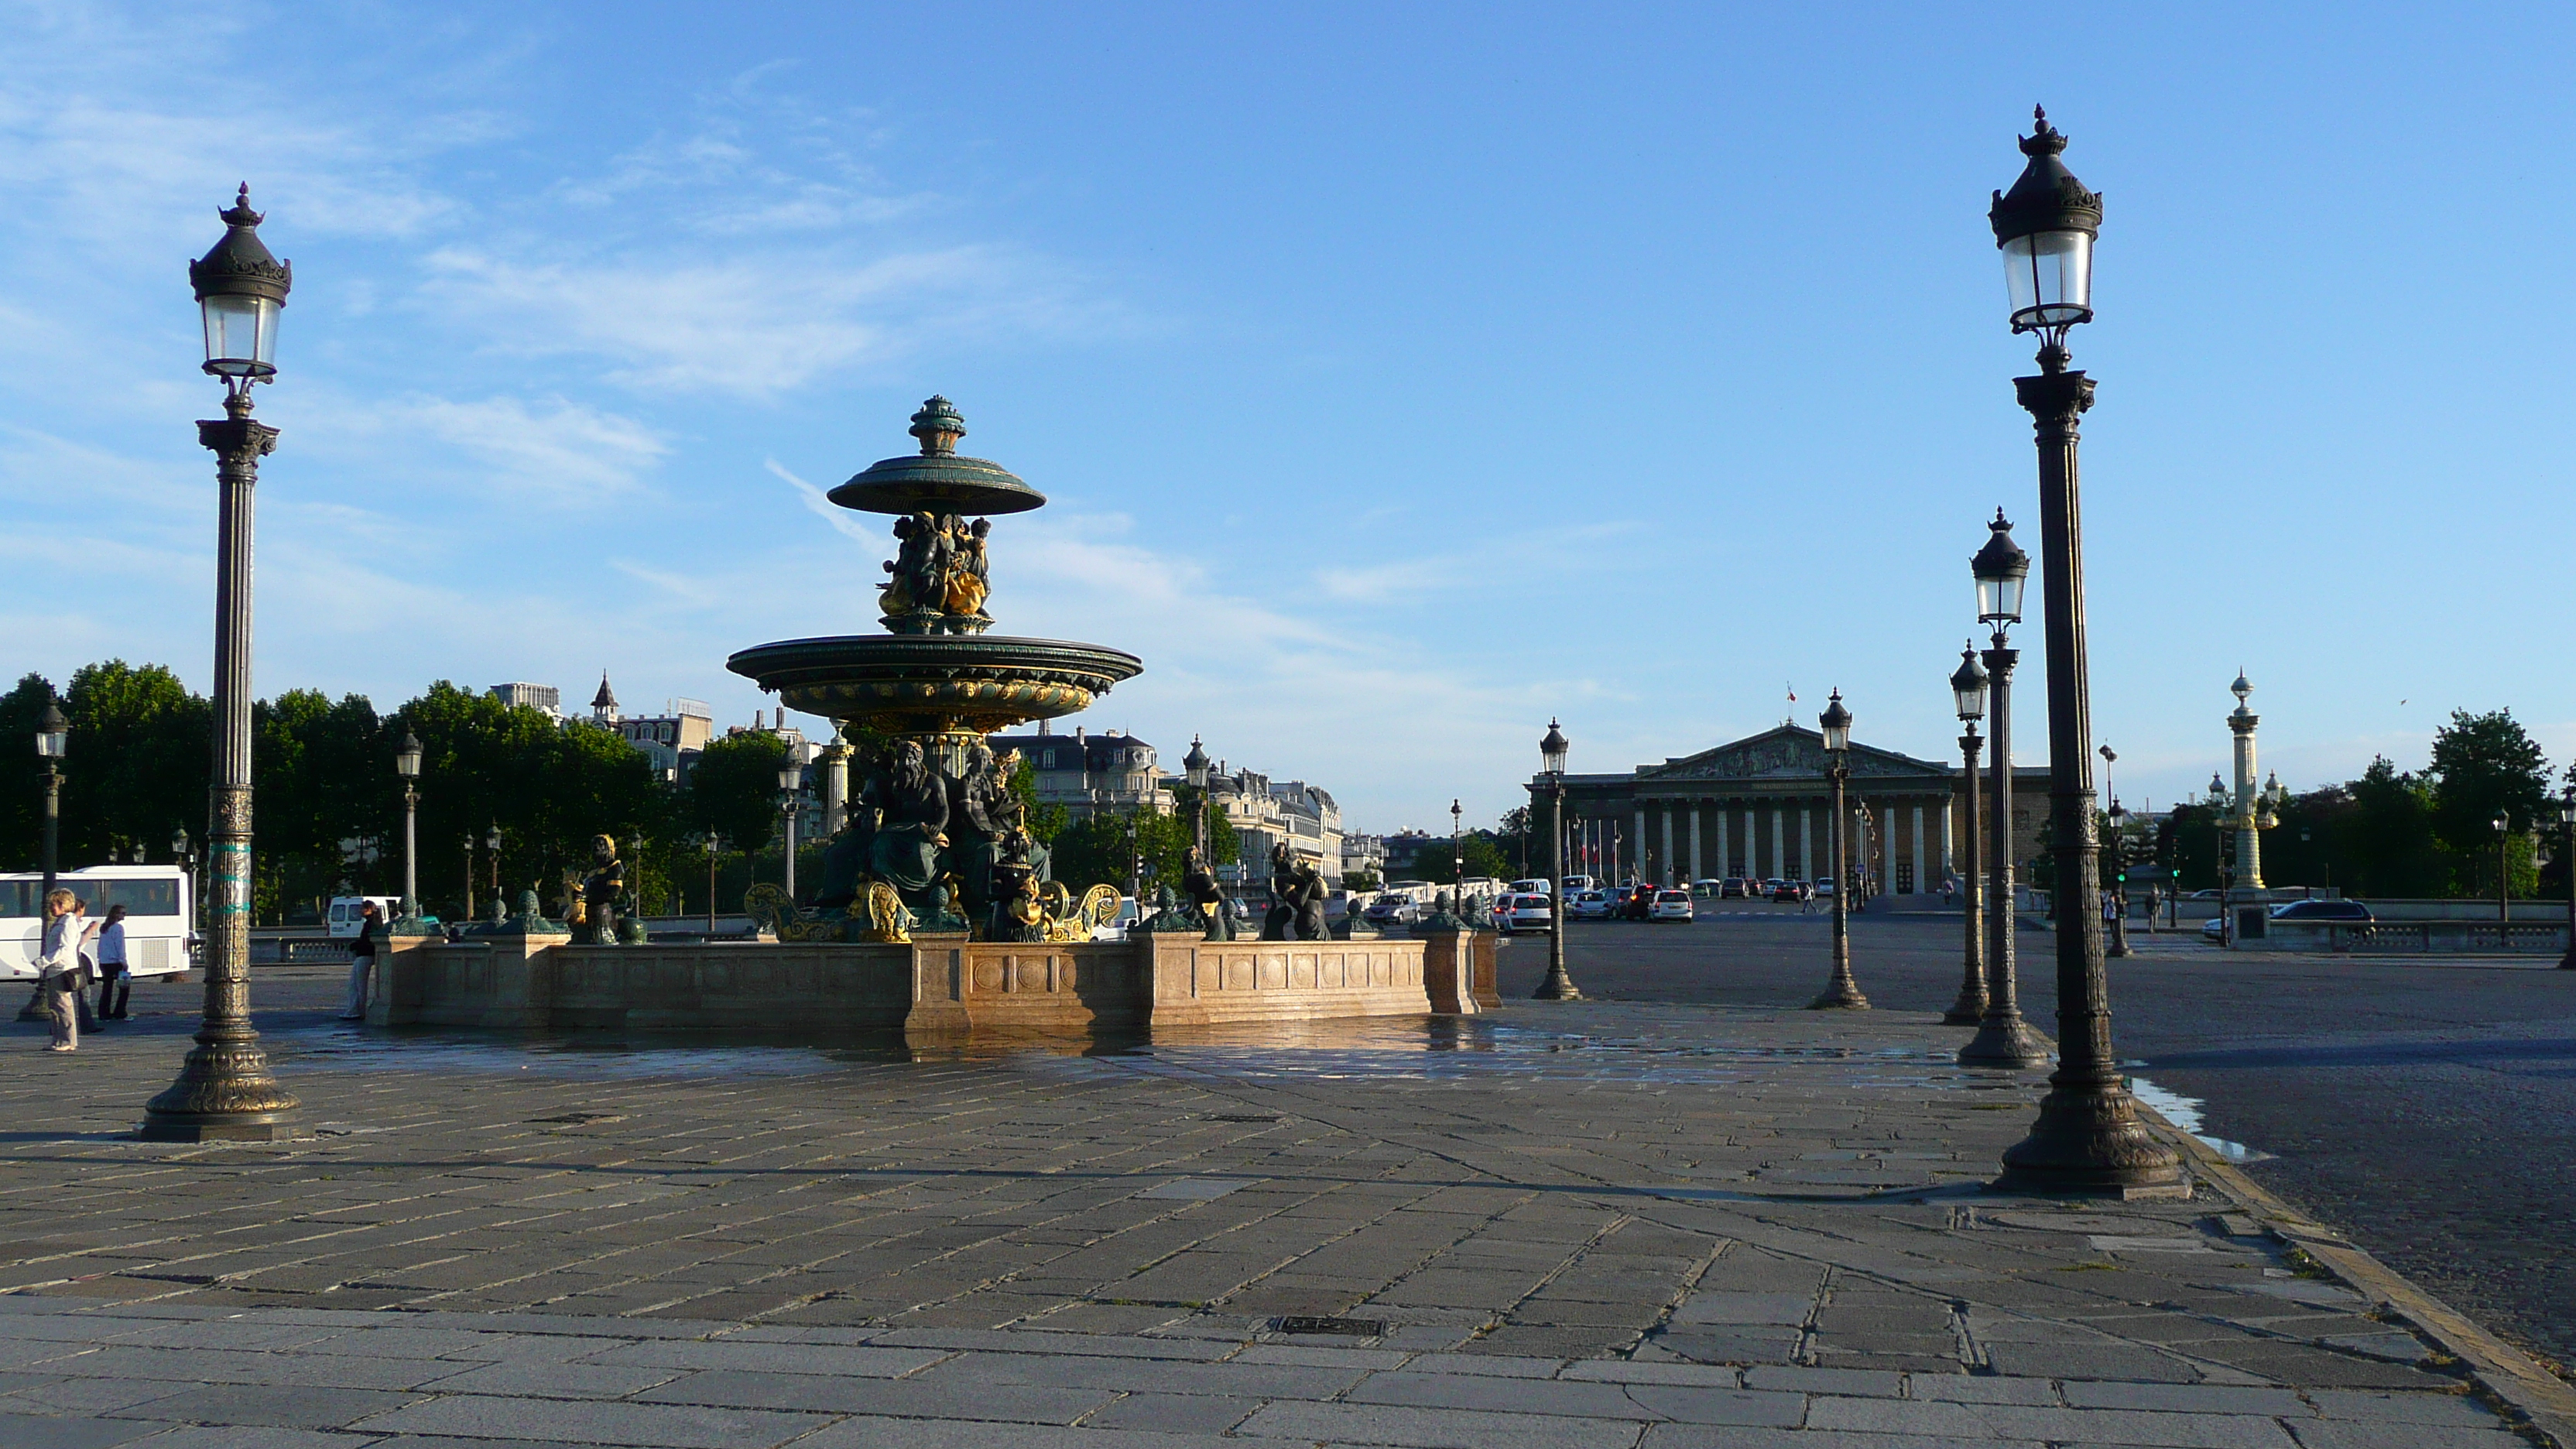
(1606, 1224)
(2380, 1085)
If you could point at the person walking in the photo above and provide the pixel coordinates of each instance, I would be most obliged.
(362, 962)
(58, 970)
(88, 930)
(115, 982)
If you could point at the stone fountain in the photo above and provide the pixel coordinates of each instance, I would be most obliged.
(935, 823)
(935, 914)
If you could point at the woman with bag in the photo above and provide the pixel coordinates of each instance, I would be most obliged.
(58, 969)
(115, 982)
(362, 961)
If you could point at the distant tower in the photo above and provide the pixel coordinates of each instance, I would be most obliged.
(2249, 838)
(603, 705)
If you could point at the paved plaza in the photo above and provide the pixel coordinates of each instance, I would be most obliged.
(1614, 1224)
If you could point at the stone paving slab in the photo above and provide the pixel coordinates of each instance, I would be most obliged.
(826, 1246)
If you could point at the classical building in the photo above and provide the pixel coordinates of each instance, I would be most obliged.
(1088, 773)
(1266, 814)
(1760, 807)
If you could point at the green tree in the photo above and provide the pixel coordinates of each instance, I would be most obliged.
(1479, 851)
(2389, 843)
(141, 756)
(2484, 765)
(733, 789)
(22, 775)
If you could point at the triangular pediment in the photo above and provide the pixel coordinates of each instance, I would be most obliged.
(1783, 752)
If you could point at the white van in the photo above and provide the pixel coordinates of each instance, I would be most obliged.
(343, 917)
(160, 915)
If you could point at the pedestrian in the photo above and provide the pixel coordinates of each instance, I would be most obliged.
(88, 965)
(2155, 903)
(115, 982)
(362, 962)
(58, 972)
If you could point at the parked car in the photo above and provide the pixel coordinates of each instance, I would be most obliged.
(1594, 905)
(1524, 912)
(1824, 885)
(1670, 905)
(1391, 911)
(1735, 888)
(2340, 912)
(1637, 902)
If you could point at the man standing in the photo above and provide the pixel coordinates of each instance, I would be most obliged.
(362, 962)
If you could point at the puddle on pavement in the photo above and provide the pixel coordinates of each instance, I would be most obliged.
(1363, 1049)
(2184, 1112)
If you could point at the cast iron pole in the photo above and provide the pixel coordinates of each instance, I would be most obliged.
(2003, 1039)
(1842, 992)
(1558, 986)
(2088, 1137)
(225, 1091)
(1970, 1008)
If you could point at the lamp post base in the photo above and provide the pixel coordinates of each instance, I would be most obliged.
(1968, 1010)
(2004, 1041)
(1842, 995)
(34, 1010)
(1556, 989)
(224, 1094)
(2089, 1142)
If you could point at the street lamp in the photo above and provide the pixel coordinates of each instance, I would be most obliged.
(1457, 863)
(53, 742)
(225, 1091)
(407, 765)
(713, 846)
(791, 776)
(1553, 747)
(1968, 692)
(2113, 852)
(2088, 1137)
(2504, 879)
(1194, 766)
(1841, 993)
(2003, 1039)
(2567, 853)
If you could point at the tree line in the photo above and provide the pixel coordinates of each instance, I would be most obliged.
(2397, 834)
(328, 809)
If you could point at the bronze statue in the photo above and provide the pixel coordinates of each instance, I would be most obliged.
(910, 848)
(600, 891)
(1305, 894)
(1208, 897)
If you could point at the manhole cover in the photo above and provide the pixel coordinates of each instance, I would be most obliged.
(1349, 1327)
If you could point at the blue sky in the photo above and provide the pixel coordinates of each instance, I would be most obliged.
(1401, 375)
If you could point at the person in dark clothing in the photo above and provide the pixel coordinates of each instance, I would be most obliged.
(362, 962)
(115, 982)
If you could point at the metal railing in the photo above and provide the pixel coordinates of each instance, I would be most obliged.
(2421, 937)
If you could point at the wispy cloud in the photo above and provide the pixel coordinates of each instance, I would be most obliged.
(551, 451)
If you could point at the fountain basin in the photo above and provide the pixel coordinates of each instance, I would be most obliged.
(921, 684)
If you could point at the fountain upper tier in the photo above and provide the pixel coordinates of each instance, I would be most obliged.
(936, 672)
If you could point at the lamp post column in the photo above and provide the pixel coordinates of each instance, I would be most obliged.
(1841, 993)
(2088, 1137)
(50, 737)
(1970, 1008)
(2567, 818)
(225, 1091)
(788, 876)
(411, 851)
(1558, 986)
(2003, 1039)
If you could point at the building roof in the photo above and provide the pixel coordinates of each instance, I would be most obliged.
(606, 698)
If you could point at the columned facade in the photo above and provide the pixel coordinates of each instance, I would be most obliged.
(1759, 807)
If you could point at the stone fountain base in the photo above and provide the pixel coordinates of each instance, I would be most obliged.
(937, 986)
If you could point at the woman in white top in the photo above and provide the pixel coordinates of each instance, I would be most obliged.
(58, 967)
(115, 983)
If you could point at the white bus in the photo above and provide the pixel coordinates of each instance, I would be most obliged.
(160, 915)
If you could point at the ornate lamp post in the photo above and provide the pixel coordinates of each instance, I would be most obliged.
(1552, 750)
(225, 1091)
(2003, 1039)
(1841, 993)
(1968, 691)
(791, 780)
(1194, 768)
(2567, 818)
(713, 846)
(2088, 1137)
(53, 741)
(2114, 851)
(492, 851)
(407, 765)
(1457, 862)
(2504, 877)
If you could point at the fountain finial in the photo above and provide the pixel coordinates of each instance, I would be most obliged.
(939, 427)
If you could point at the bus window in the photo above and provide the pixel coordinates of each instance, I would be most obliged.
(139, 897)
(18, 898)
